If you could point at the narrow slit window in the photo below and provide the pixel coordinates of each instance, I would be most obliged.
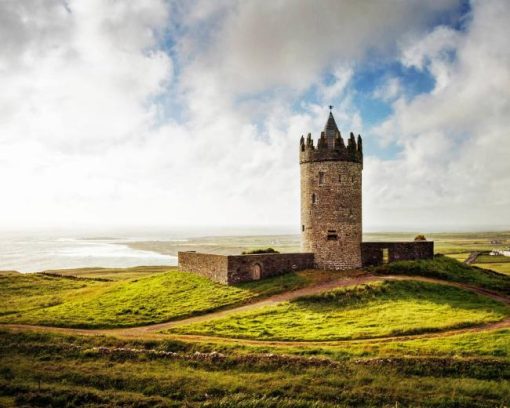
(332, 235)
(302, 227)
(314, 199)
(321, 177)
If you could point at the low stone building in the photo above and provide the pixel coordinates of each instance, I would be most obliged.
(331, 220)
(232, 269)
(377, 253)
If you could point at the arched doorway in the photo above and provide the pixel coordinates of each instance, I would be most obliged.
(256, 271)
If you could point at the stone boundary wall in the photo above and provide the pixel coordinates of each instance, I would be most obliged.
(214, 267)
(372, 252)
(232, 269)
(243, 268)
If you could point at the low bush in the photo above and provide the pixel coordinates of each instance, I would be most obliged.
(261, 251)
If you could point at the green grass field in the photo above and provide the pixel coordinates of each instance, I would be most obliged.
(470, 369)
(503, 268)
(41, 370)
(114, 274)
(486, 258)
(499, 264)
(66, 302)
(481, 344)
(461, 257)
(374, 310)
(446, 268)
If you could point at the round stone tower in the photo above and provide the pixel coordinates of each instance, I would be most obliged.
(331, 198)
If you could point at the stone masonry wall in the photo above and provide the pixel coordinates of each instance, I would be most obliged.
(372, 252)
(214, 267)
(243, 268)
(331, 223)
(232, 269)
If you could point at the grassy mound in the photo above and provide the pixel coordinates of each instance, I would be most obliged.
(61, 301)
(375, 310)
(42, 370)
(446, 268)
(21, 293)
(114, 274)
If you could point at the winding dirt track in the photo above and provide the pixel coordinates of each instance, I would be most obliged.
(152, 331)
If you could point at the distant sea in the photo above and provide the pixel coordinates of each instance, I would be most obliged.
(39, 252)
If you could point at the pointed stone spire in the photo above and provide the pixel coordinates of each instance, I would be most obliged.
(331, 124)
(331, 129)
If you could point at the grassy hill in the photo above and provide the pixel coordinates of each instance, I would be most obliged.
(41, 370)
(446, 268)
(469, 369)
(373, 310)
(82, 302)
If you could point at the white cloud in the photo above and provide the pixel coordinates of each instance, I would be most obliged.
(76, 84)
(85, 140)
(291, 42)
(389, 91)
(456, 150)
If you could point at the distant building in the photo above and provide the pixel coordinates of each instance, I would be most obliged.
(331, 220)
(500, 252)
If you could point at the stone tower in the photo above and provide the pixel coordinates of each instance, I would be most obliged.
(331, 198)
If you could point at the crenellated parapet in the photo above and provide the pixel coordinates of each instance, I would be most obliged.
(331, 147)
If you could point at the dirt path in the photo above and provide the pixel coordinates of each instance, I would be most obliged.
(152, 331)
(472, 258)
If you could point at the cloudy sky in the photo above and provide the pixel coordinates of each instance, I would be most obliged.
(179, 113)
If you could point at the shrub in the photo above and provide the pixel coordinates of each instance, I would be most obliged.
(420, 237)
(261, 251)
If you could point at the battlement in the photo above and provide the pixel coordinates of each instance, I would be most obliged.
(331, 150)
(331, 146)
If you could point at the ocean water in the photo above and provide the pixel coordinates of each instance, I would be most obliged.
(36, 251)
(39, 252)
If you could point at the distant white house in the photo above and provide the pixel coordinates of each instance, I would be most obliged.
(503, 252)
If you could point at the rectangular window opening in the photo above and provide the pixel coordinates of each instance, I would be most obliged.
(332, 235)
(321, 177)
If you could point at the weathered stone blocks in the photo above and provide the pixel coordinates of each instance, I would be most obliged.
(331, 218)
(232, 269)
(372, 252)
